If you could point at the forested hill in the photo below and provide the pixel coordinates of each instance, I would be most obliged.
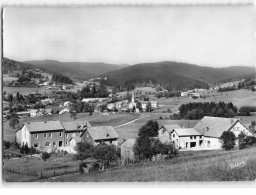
(9, 65)
(78, 70)
(176, 75)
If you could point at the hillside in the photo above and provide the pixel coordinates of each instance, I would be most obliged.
(176, 75)
(9, 65)
(78, 70)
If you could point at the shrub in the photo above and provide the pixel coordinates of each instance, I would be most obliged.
(45, 156)
(228, 139)
(105, 153)
(81, 166)
(7, 144)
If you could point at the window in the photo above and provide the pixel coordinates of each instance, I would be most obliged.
(45, 135)
(54, 143)
(60, 134)
(36, 145)
(47, 144)
(200, 137)
(110, 141)
(191, 137)
(66, 142)
(173, 135)
(66, 135)
(36, 136)
(194, 137)
(50, 134)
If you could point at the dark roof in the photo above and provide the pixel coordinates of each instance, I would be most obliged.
(44, 126)
(75, 125)
(103, 132)
(214, 126)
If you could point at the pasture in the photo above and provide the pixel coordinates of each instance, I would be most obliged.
(235, 165)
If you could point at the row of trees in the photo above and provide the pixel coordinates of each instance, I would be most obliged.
(198, 110)
(60, 78)
(228, 140)
(246, 110)
(93, 92)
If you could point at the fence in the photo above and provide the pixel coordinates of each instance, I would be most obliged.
(45, 173)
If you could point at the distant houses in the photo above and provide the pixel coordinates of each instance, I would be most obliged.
(204, 135)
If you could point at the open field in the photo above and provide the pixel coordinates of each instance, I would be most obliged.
(207, 166)
(238, 98)
(8, 79)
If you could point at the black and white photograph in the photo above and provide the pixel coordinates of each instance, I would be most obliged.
(128, 93)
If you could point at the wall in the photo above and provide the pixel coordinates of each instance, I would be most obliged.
(127, 150)
(70, 135)
(214, 143)
(25, 136)
(42, 140)
(238, 128)
(164, 135)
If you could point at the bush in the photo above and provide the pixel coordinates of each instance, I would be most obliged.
(81, 166)
(45, 156)
(228, 139)
(7, 144)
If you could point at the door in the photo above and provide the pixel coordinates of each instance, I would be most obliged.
(60, 143)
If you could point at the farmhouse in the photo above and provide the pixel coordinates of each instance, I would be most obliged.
(100, 134)
(184, 94)
(204, 135)
(127, 149)
(213, 127)
(154, 104)
(164, 133)
(35, 113)
(50, 134)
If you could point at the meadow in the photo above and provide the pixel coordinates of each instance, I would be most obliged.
(236, 165)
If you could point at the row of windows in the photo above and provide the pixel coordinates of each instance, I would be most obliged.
(191, 137)
(48, 144)
(50, 135)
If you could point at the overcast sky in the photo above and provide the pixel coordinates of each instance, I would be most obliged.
(217, 36)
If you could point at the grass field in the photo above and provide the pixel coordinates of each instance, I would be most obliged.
(237, 165)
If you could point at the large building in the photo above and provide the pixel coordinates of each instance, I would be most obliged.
(50, 134)
(204, 135)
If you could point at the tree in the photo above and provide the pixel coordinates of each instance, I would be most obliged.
(228, 139)
(148, 107)
(139, 106)
(24, 149)
(143, 148)
(13, 122)
(150, 129)
(241, 140)
(45, 156)
(84, 150)
(72, 114)
(105, 153)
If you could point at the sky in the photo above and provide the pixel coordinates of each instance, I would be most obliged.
(216, 36)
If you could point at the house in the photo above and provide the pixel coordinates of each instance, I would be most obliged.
(184, 94)
(35, 113)
(100, 134)
(164, 133)
(93, 100)
(46, 101)
(24, 113)
(154, 104)
(127, 149)
(41, 135)
(67, 104)
(204, 135)
(111, 106)
(74, 129)
(119, 104)
(195, 94)
(48, 111)
(213, 127)
(72, 144)
(50, 134)
(186, 138)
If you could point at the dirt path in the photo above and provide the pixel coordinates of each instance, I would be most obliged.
(131, 121)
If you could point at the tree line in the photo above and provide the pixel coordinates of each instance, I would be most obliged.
(198, 110)
(61, 78)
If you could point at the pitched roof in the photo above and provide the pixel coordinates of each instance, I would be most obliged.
(187, 132)
(169, 128)
(43, 126)
(102, 132)
(132, 141)
(77, 139)
(75, 125)
(214, 126)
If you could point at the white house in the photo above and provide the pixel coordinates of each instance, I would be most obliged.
(35, 113)
(154, 104)
(213, 127)
(164, 133)
(184, 94)
(67, 104)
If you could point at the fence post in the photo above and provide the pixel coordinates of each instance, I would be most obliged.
(53, 172)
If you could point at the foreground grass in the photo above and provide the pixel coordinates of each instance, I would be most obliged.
(211, 167)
